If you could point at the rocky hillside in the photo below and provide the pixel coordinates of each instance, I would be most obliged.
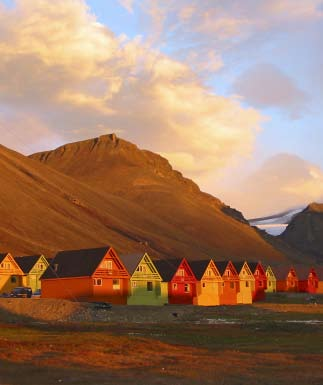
(305, 232)
(173, 215)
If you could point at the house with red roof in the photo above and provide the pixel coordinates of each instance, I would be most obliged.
(87, 275)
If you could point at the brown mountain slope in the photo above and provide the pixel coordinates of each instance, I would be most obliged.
(305, 232)
(175, 217)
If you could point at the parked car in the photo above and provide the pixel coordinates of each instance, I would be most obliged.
(21, 292)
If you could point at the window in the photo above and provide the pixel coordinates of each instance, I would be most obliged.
(2, 265)
(149, 286)
(257, 272)
(175, 286)
(228, 273)
(180, 272)
(203, 284)
(231, 285)
(134, 283)
(269, 283)
(13, 279)
(247, 283)
(107, 264)
(261, 284)
(116, 284)
(97, 282)
(187, 288)
(209, 272)
(41, 266)
(142, 269)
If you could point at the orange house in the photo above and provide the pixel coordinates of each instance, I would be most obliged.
(287, 279)
(10, 273)
(260, 280)
(87, 275)
(231, 283)
(319, 271)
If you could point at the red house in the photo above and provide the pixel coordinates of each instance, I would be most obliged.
(181, 280)
(308, 281)
(87, 275)
(287, 279)
(259, 273)
(231, 283)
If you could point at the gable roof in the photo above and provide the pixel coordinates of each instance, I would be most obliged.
(76, 263)
(199, 267)
(222, 265)
(131, 261)
(3, 256)
(303, 271)
(27, 262)
(167, 267)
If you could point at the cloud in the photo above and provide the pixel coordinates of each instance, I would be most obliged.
(265, 85)
(127, 4)
(282, 182)
(68, 77)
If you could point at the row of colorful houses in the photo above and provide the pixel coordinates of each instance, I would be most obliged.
(101, 275)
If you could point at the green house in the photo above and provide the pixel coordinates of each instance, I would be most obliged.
(33, 267)
(146, 284)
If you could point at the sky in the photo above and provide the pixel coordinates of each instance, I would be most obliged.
(230, 92)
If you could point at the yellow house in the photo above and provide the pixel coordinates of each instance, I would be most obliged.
(209, 283)
(33, 267)
(271, 281)
(247, 283)
(10, 273)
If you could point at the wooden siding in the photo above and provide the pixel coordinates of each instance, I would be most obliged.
(146, 286)
(209, 289)
(182, 287)
(247, 285)
(10, 274)
(271, 281)
(230, 286)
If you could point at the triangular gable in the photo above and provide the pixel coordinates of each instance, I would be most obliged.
(184, 270)
(146, 267)
(111, 265)
(257, 269)
(269, 272)
(245, 272)
(8, 265)
(212, 271)
(32, 263)
(227, 270)
(292, 273)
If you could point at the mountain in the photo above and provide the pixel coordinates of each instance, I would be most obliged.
(305, 231)
(275, 224)
(174, 217)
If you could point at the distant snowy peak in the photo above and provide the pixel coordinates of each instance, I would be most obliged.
(277, 223)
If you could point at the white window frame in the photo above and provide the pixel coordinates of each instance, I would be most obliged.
(97, 281)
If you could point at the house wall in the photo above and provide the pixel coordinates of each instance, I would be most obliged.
(247, 287)
(67, 288)
(208, 293)
(320, 287)
(178, 295)
(230, 289)
(33, 278)
(308, 286)
(108, 292)
(281, 285)
(139, 295)
(8, 282)
(271, 285)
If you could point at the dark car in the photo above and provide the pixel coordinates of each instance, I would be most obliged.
(21, 292)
